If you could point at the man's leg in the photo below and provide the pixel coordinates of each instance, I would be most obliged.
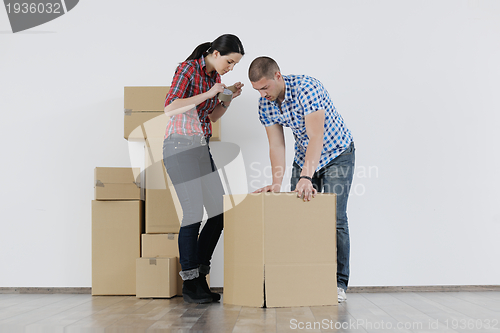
(337, 178)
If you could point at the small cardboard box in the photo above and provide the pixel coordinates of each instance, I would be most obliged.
(156, 277)
(280, 251)
(116, 235)
(163, 245)
(117, 183)
(141, 105)
(163, 209)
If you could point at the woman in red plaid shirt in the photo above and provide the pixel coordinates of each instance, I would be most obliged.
(192, 104)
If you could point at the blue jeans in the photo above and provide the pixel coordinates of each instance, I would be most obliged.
(336, 177)
(195, 178)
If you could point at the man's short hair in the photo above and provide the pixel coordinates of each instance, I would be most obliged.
(262, 67)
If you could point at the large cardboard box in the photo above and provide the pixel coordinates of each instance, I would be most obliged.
(156, 277)
(163, 209)
(280, 251)
(163, 245)
(117, 183)
(145, 116)
(116, 235)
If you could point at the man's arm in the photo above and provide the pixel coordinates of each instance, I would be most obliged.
(277, 155)
(315, 124)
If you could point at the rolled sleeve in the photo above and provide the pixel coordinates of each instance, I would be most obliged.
(180, 83)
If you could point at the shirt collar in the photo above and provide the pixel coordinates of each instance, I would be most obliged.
(288, 90)
(203, 66)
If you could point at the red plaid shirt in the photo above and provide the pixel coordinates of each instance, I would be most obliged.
(191, 79)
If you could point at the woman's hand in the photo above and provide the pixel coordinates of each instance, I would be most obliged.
(217, 88)
(238, 86)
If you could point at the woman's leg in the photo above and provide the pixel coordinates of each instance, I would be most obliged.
(182, 163)
(213, 201)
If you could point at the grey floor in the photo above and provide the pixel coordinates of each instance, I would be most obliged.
(363, 312)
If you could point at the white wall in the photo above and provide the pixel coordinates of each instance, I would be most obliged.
(416, 82)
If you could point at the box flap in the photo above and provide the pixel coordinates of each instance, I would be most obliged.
(243, 252)
(301, 285)
(303, 233)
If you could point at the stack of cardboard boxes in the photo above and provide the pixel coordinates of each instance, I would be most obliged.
(117, 224)
(129, 201)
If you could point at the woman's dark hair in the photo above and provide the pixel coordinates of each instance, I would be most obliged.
(225, 44)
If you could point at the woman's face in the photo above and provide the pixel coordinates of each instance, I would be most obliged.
(225, 63)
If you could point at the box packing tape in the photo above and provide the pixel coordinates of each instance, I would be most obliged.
(227, 94)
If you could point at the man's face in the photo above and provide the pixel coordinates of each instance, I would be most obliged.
(269, 88)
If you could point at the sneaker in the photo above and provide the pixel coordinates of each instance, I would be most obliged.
(341, 295)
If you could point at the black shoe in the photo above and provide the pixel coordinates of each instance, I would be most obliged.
(192, 292)
(206, 288)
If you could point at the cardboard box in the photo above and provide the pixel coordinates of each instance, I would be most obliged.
(216, 132)
(163, 209)
(116, 235)
(141, 105)
(145, 116)
(280, 251)
(156, 127)
(156, 277)
(117, 183)
(163, 245)
(160, 245)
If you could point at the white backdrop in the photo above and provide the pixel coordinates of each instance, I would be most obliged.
(416, 82)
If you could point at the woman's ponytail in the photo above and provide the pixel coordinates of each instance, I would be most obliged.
(199, 51)
(225, 44)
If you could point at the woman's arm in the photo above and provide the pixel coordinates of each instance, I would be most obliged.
(180, 105)
(219, 110)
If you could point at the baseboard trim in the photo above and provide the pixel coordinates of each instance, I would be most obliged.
(51, 290)
(396, 289)
(355, 289)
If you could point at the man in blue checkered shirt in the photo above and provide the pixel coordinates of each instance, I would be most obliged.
(324, 147)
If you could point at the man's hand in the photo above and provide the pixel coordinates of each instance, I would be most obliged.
(268, 188)
(305, 189)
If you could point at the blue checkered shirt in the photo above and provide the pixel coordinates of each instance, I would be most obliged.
(304, 95)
